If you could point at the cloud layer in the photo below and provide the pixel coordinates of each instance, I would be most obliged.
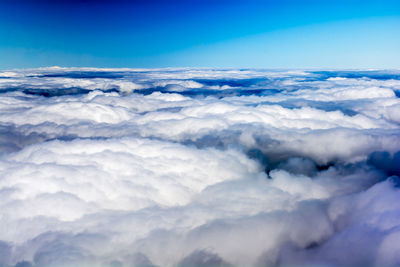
(199, 167)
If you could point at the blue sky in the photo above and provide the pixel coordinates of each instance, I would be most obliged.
(200, 33)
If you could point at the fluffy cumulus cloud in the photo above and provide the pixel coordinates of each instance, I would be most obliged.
(199, 167)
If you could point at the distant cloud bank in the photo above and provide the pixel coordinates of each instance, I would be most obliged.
(199, 167)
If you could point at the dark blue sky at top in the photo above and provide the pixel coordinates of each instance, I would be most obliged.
(279, 33)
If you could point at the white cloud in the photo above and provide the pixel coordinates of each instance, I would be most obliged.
(241, 167)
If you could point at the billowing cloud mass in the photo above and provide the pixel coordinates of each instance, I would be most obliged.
(199, 167)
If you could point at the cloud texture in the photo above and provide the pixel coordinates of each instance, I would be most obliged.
(199, 167)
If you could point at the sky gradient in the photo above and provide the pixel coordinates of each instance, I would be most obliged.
(194, 33)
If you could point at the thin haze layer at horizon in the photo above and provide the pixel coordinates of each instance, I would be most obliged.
(193, 33)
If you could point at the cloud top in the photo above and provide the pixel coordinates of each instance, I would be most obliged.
(199, 167)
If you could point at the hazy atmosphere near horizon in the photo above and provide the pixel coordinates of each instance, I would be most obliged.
(199, 133)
